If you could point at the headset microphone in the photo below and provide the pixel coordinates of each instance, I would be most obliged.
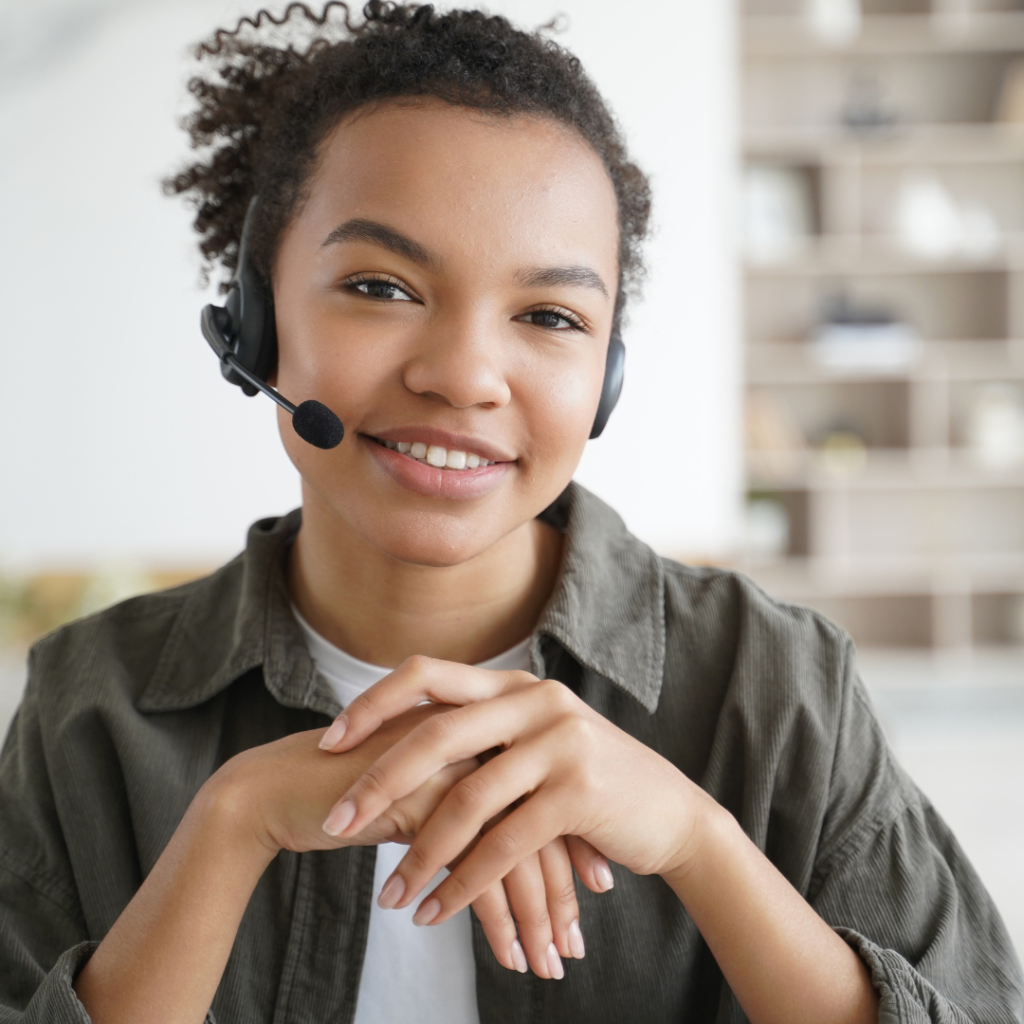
(243, 334)
(312, 420)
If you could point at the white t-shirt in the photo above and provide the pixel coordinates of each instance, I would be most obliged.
(425, 975)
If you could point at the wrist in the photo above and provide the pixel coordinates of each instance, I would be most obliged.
(713, 829)
(224, 812)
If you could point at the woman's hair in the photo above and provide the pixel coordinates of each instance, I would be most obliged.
(279, 86)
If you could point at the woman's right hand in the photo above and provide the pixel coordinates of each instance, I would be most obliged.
(262, 784)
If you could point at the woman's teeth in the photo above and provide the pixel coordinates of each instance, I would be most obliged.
(435, 455)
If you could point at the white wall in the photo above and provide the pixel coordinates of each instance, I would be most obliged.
(119, 438)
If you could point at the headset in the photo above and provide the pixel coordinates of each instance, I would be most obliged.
(243, 334)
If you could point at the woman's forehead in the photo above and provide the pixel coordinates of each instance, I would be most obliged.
(467, 183)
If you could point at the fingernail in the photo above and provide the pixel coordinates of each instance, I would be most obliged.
(393, 891)
(519, 957)
(340, 818)
(428, 910)
(603, 876)
(576, 946)
(555, 968)
(334, 733)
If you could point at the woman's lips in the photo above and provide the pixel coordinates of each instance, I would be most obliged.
(433, 482)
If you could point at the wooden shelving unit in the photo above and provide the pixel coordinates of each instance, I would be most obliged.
(910, 539)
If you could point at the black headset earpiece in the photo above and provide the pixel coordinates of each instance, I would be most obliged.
(244, 326)
(243, 333)
(614, 367)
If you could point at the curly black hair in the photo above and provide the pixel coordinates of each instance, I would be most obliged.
(279, 85)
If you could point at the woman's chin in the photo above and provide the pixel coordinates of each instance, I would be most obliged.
(440, 540)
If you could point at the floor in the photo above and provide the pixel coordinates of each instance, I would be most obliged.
(957, 725)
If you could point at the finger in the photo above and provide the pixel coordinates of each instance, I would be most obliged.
(524, 886)
(492, 910)
(416, 680)
(560, 896)
(441, 740)
(457, 822)
(531, 826)
(591, 865)
(405, 817)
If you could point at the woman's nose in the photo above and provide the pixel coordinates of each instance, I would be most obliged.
(460, 364)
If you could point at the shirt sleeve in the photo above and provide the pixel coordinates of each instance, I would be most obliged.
(893, 881)
(43, 937)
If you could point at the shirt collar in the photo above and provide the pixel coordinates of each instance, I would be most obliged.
(608, 608)
(607, 611)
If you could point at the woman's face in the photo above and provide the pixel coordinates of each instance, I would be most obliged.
(448, 285)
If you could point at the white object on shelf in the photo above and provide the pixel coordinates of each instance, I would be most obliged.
(877, 348)
(766, 531)
(834, 21)
(931, 224)
(776, 213)
(979, 233)
(995, 430)
(928, 221)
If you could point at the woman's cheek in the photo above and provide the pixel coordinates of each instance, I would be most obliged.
(564, 407)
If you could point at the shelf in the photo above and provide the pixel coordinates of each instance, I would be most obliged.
(887, 34)
(807, 579)
(913, 540)
(793, 363)
(903, 144)
(876, 256)
(892, 469)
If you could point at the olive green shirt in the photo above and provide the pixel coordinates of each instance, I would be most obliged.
(127, 713)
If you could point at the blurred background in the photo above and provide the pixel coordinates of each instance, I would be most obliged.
(826, 372)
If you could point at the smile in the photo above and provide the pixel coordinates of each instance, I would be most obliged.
(436, 456)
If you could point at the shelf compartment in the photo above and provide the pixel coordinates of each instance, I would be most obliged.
(903, 34)
(893, 471)
(793, 362)
(997, 620)
(915, 144)
(966, 306)
(877, 523)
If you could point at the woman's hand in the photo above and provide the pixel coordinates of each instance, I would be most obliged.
(538, 894)
(572, 772)
(568, 771)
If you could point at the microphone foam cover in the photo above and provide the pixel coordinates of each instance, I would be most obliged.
(316, 424)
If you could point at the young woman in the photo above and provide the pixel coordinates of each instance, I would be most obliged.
(445, 219)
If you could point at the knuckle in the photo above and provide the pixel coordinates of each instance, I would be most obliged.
(469, 794)
(535, 918)
(418, 857)
(557, 696)
(366, 705)
(457, 888)
(415, 664)
(576, 731)
(498, 915)
(506, 839)
(374, 782)
(441, 727)
(402, 819)
(565, 897)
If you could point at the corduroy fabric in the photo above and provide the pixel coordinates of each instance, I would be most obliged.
(128, 712)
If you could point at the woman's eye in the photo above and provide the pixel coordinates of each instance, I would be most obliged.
(379, 288)
(550, 319)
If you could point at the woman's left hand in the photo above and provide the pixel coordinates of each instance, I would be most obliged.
(572, 772)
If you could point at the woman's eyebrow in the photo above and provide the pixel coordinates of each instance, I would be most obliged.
(357, 230)
(538, 277)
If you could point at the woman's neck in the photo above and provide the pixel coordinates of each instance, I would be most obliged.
(382, 610)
